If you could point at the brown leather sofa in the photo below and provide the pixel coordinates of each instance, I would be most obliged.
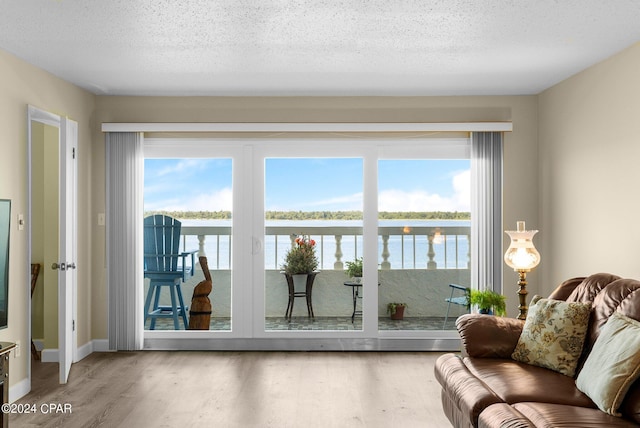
(485, 387)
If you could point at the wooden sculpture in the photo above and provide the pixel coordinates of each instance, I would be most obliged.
(200, 313)
(35, 271)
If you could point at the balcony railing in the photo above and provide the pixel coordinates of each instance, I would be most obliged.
(422, 247)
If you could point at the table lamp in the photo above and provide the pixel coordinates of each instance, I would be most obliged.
(522, 256)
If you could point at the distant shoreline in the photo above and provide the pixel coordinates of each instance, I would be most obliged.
(320, 215)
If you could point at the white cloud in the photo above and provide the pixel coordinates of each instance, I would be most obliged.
(183, 165)
(462, 189)
(219, 200)
(163, 204)
(422, 200)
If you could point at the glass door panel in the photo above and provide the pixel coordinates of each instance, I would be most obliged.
(424, 229)
(197, 193)
(312, 204)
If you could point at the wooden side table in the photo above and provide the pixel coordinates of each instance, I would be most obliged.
(5, 348)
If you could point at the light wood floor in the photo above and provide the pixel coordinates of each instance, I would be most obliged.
(240, 389)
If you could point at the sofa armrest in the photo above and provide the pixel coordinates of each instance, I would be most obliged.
(487, 336)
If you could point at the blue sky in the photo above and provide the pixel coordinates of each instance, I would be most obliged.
(310, 184)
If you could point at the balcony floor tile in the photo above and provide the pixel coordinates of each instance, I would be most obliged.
(327, 323)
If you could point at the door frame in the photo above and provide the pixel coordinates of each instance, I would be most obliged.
(326, 149)
(67, 291)
(248, 331)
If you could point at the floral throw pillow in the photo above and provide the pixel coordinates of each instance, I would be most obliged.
(553, 334)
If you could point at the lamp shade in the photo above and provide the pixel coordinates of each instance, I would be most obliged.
(521, 254)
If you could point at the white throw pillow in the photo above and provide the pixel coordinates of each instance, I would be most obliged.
(613, 364)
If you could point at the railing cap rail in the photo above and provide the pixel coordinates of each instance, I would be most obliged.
(333, 230)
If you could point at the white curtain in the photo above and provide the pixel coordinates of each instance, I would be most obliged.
(125, 271)
(486, 210)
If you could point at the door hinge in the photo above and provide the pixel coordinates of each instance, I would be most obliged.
(73, 325)
(74, 152)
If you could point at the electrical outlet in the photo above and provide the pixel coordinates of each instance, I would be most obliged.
(18, 350)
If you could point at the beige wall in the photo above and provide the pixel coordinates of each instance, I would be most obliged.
(22, 84)
(588, 172)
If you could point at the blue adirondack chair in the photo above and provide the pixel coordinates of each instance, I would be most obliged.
(462, 300)
(165, 266)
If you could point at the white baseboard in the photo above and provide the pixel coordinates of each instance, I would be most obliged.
(19, 390)
(98, 345)
(23, 387)
(101, 345)
(84, 351)
(49, 355)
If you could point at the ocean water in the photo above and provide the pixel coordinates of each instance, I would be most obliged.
(406, 251)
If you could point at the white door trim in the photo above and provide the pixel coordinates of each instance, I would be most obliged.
(67, 307)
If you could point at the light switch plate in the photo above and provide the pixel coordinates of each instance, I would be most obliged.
(101, 219)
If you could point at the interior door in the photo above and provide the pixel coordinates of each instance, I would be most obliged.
(68, 242)
(52, 161)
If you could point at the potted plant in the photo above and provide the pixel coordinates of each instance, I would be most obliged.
(354, 269)
(301, 259)
(488, 301)
(396, 310)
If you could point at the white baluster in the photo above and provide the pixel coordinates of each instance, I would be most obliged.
(201, 252)
(338, 265)
(385, 265)
(431, 264)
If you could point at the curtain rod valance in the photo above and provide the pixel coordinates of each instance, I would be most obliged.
(309, 127)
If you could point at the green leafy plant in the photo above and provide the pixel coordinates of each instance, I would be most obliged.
(354, 268)
(391, 307)
(488, 300)
(302, 257)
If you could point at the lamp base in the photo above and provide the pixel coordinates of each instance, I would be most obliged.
(522, 295)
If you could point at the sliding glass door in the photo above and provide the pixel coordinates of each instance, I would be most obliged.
(313, 225)
(194, 184)
(386, 223)
(424, 228)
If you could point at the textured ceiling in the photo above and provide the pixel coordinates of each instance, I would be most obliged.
(319, 47)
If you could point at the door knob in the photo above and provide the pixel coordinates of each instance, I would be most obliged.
(60, 266)
(71, 265)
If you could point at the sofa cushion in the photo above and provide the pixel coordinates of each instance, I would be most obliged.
(622, 296)
(487, 336)
(512, 382)
(461, 390)
(558, 415)
(503, 415)
(553, 335)
(613, 364)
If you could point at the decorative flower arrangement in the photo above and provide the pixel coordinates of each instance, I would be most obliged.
(302, 257)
